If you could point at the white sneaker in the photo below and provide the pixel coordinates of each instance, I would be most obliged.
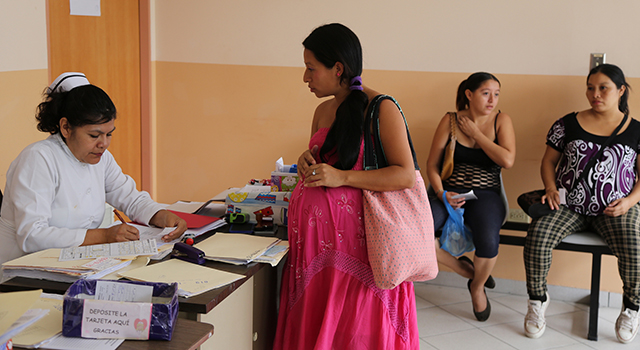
(534, 322)
(627, 325)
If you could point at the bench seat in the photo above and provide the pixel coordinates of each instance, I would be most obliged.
(586, 242)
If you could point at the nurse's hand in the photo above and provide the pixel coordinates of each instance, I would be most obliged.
(165, 218)
(117, 233)
(122, 233)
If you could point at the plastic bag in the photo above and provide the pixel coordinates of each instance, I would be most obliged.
(456, 237)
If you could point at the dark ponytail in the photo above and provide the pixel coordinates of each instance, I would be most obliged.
(82, 105)
(330, 44)
(617, 77)
(472, 83)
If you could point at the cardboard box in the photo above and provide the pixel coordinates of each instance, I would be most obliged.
(270, 204)
(84, 316)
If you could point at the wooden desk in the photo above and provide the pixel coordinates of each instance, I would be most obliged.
(262, 296)
(187, 335)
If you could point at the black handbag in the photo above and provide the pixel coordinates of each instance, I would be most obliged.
(531, 202)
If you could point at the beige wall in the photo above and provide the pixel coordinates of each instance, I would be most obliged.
(501, 36)
(230, 98)
(23, 75)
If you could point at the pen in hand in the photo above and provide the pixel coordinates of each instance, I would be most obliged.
(125, 232)
(115, 211)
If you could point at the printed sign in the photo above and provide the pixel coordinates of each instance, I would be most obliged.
(109, 319)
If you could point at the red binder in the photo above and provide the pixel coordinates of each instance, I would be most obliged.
(195, 220)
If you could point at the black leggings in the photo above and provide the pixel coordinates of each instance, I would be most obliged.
(484, 216)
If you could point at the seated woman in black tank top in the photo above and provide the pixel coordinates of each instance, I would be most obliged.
(485, 145)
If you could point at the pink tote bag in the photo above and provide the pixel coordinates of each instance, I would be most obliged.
(398, 224)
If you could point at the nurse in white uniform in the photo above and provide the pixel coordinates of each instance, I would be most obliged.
(56, 188)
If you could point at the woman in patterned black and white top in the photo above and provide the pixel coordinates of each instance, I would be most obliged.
(605, 200)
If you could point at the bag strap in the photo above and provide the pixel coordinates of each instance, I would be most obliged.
(453, 122)
(374, 156)
(593, 159)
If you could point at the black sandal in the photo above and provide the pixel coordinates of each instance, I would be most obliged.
(490, 283)
(482, 315)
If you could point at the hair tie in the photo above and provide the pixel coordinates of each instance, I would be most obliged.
(356, 83)
(68, 81)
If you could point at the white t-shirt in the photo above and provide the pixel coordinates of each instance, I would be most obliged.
(51, 198)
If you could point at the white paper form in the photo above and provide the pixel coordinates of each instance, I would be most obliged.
(69, 343)
(110, 250)
(115, 291)
(466, 196)
(148, 232)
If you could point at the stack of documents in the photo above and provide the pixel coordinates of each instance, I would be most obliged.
(196, 225)
(192, 279)
(16, 313)
(45, 329)
(45, 332)
(45, 264)
(237, 249)
(274, 254)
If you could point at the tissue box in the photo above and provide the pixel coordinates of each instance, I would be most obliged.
(270, 204)
(283, 182)
(85, 317)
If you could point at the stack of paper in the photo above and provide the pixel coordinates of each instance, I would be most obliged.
(192, 279)
(16, 313)
(46, 328)
(45, 264)
(196, 225)
(274, 254)
(47, 331)
(136, 263)
(237, 249)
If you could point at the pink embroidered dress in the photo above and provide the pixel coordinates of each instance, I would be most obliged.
(328, 297)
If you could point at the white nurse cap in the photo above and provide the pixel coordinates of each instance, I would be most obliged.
(67, 81)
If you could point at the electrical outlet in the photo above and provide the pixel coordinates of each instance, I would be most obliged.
(518, 215)
(596, 60)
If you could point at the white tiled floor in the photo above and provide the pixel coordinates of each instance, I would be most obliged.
(446, 321)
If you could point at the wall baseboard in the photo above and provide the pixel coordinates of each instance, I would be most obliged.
(568, 294)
